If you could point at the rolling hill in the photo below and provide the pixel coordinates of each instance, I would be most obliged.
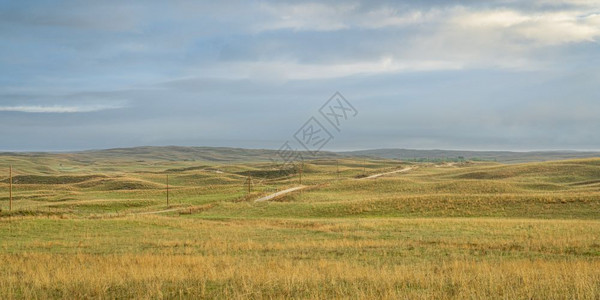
(499, 156)
(226, 154)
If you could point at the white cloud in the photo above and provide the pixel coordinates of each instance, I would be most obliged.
(305, 16)
(57, 108)
(291, 70)
(425, 38)
(540, 29)
(323, 17)
(382, 66)
(388, 17)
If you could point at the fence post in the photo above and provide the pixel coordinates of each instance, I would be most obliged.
(10, 188)
(167, 190)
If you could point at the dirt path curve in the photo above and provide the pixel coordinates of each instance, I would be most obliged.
(101, 201)
(76, 202)
(290, 190)
(160, 211)
(275, 195)
(387, 173)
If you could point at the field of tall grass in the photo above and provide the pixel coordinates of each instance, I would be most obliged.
(449, 231)
(163, 257)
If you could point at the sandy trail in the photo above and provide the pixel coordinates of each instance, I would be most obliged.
(76, 202)
(387, 173)
(160, 211)
(275, 195)
(101, 201)
(265, 198)
(290, 190)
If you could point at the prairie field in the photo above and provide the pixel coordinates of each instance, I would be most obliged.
(302, 149)
(93, 226)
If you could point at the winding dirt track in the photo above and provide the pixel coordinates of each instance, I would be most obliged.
(160, 211)
(275, 195)
(265, 198)
(104, 200)
(387, 173)
(77, 202)
(290, 190)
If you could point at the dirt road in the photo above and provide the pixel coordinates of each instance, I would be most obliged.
(275, 195)
(387, 173)
(290, 190)
(160, 211)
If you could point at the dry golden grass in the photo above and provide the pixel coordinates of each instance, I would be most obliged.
(192, 276)
(471, 231)
(162, 257)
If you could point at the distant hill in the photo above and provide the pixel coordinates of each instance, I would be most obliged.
(455, 155)
(172, 153)
(224, 155)
(216, 154)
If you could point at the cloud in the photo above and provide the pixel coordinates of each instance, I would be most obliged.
(323, 40)
(312, 16)
(56, 108)
(441, 71)
(546, 26)
(70, 15)
(291, 70)
(537, 29)
(305, 16)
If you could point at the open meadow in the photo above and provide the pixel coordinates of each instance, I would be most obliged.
(388, 149)
(98, 226)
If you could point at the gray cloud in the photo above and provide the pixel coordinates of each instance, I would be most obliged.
(427, 74)
(56, 108)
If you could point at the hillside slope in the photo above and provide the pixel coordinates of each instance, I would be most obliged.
(499, 156)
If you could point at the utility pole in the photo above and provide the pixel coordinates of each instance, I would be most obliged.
(10, 187)
(301, 167)
(167, 190)
(337, 168)
(249, 181)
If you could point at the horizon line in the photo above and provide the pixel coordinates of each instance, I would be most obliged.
(4, 151)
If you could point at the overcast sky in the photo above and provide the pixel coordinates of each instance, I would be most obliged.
(504, 75)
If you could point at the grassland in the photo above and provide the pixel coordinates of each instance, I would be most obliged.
(99, 227)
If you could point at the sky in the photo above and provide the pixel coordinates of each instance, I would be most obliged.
(469, 75)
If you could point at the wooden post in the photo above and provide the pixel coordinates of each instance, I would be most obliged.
(337, 168)
(249, 180)
(167, 190)
(301, 167)
(10, 187)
